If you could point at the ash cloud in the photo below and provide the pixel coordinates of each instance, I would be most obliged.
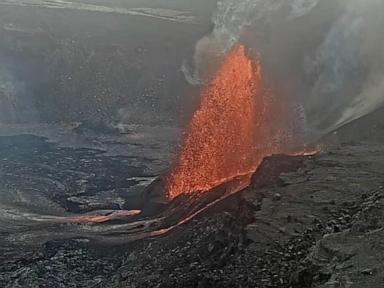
(328, 56)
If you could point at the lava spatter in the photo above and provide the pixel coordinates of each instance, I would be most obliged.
(221, 141)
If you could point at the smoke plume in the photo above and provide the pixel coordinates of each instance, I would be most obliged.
(230, 21)
(349, 68)
(328, 54)
(14, 103)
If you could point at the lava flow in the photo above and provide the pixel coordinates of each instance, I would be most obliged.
(223, 137)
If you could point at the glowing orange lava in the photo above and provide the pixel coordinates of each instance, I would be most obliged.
(100, 217)
(222, 139)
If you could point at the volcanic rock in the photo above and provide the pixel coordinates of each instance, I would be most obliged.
(326, 230)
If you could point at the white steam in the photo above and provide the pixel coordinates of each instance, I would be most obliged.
(350, 84)
(339, 67)
(230, 21)
(8, 102)
(14, 104)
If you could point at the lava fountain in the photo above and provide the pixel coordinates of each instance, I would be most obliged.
(223, 138)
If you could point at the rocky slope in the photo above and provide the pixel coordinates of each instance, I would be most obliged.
(319, 225)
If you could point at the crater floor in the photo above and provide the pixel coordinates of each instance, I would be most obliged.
(305, 222)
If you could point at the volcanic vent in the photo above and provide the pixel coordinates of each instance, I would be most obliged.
(226, 137)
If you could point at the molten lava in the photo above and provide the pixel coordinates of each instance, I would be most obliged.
(224, 135)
